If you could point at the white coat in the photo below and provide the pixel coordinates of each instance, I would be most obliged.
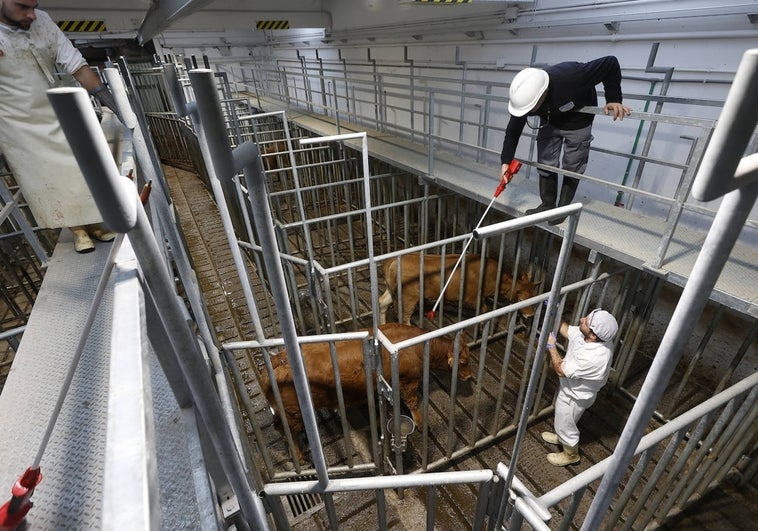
(31, 137)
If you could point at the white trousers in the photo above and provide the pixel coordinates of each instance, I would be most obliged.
(567, 413)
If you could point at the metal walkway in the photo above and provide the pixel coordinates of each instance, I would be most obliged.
(70, 495)
(621, 234)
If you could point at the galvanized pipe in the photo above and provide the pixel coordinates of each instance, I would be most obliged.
(727, 225)
(256, 185)
(731, 136)
(453, 477)
(113, 193)
(586, 477)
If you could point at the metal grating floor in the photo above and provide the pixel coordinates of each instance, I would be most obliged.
(69, 496)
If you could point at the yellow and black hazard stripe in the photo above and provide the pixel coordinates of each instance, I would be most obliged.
(272, 24)
(81, 25)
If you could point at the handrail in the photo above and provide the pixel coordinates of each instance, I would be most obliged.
(596, 471)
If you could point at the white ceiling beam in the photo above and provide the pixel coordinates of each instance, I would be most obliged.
(163, 13)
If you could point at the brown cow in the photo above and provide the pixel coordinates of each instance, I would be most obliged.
(318, 366)
(410, 265)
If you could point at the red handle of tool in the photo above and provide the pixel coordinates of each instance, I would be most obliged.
(512, 170)
(13, 512)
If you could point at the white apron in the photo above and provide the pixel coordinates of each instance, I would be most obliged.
(33, 142)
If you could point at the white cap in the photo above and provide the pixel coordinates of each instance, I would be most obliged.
(526, 90)
(602, 324)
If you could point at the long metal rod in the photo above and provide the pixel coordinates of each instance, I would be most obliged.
(727, 225)
(220, 165)
(453, 477)
(83, 336)
(547, 324)
(256, 185)
(113, 194)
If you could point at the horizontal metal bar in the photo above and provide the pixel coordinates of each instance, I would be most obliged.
(432, 479)
(277, 342)
(648, 441)
(527, 221)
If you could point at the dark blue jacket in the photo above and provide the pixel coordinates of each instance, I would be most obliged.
(571, 87)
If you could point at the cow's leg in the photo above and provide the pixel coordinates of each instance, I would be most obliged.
(297, 429)
(384, 302)
(410, 299)
(409, 393)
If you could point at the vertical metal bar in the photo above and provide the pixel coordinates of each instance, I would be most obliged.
(696, 358)
(480, 511)
(341, 403)
(503, 374)
(250, 411)
(430, 135)
(547, 324)
(425, 407)
(683, 460)
(732, 434)
(479, 381)
(370, 376)
(675, 212)
(727, 225)
(701, 461)
(568, 516)
(645, 499)
(381, 509)
(254, 178)
(453, 393)
(431, 507)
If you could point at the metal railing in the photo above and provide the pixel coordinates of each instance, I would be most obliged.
(341, 276)
(673, 467)
(454, 114)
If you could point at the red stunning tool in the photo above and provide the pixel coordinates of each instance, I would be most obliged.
(13, 512)
(512, 170)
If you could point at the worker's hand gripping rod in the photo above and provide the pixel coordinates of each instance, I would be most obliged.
(512, 170)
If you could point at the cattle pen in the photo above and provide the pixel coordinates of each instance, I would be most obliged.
(310, 214)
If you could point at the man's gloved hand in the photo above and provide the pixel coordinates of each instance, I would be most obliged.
(104, 96)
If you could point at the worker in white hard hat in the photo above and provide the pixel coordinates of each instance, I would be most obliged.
(552, 97)
(582, 372)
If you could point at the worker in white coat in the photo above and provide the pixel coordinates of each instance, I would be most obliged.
(31, 138)
(582, 373)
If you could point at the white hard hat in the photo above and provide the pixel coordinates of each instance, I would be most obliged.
(526, 90)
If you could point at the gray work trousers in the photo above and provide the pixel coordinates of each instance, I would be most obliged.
(574, 143)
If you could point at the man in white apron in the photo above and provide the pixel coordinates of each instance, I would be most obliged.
(582, 373)
(31, 137)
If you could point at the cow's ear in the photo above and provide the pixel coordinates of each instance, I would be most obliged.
(450, 362)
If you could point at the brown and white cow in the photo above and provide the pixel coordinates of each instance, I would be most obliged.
(318, 366)
(410, 281)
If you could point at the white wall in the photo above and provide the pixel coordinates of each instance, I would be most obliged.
(702, 44)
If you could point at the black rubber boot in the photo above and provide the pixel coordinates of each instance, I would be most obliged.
(568, 189)
(548, 193)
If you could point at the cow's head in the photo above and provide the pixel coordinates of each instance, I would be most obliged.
(464, 370)
(525, 289)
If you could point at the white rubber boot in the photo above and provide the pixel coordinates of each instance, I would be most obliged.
(569, 456)
(550, 437)
(82, 242)
(98, 230)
